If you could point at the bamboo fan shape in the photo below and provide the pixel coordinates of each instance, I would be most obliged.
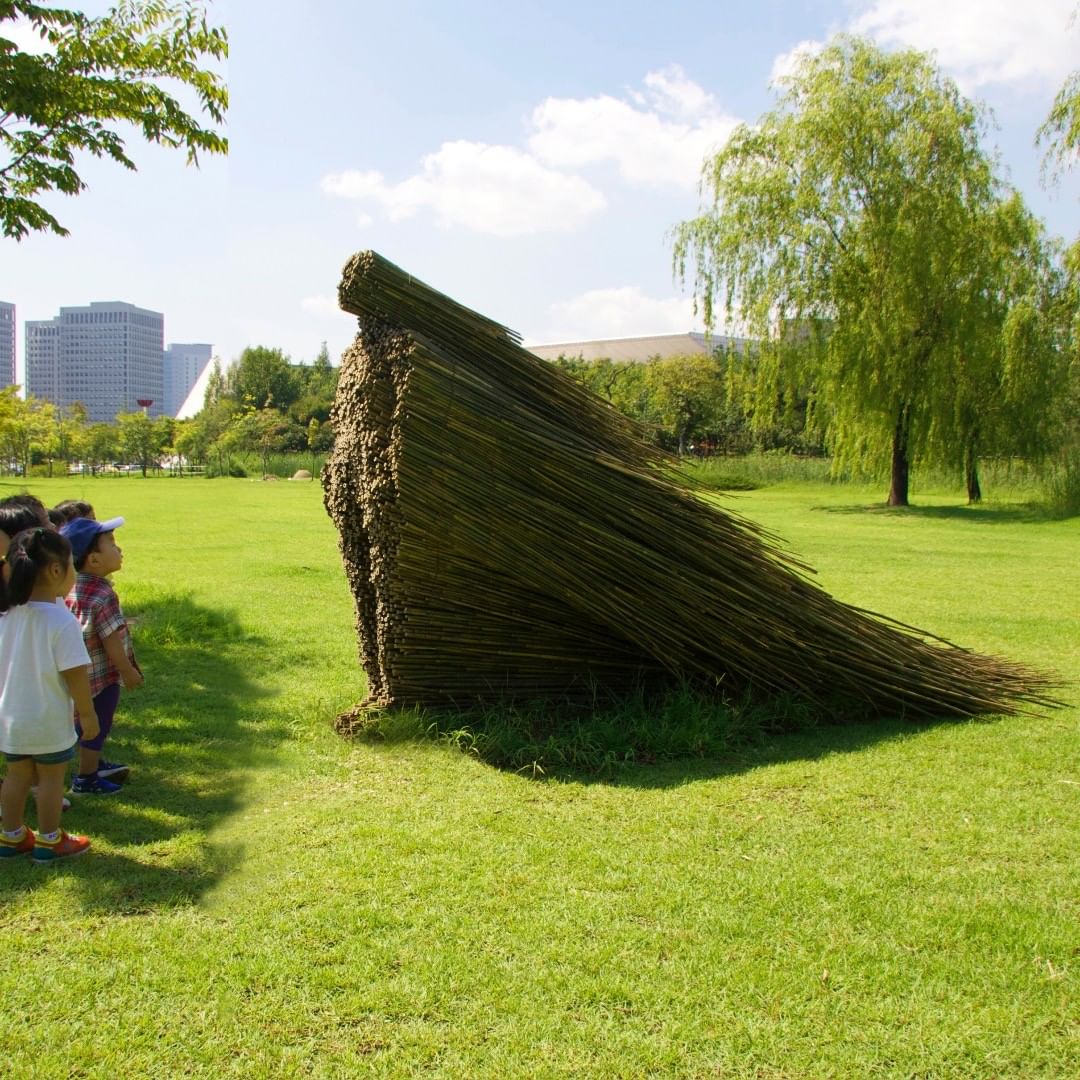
(507, 534)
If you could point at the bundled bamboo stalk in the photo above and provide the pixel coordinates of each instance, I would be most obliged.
(508, 534)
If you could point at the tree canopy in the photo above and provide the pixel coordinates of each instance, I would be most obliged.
(850, 229)
(95, 75)
(1061, 130)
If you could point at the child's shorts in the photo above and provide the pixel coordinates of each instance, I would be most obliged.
(105, 707)
(55, 758)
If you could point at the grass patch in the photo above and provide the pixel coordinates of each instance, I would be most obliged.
(268, 900)
(597, 738)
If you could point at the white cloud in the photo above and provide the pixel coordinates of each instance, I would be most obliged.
(785, 64)
(656, 136)
(981, 41)
(487, 189)
(363, 220)
(659, 137)
(618, 312)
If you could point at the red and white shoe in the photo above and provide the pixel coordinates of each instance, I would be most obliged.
(65, 846)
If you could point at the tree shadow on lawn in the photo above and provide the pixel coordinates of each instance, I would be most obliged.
(1011, 514)
(191, 735)
(775, 749)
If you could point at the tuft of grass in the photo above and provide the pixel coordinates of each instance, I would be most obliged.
(761, 469)
(1062, 487)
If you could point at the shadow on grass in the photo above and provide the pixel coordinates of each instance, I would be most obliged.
(1011, 514)
(190, 735)
(657, 741)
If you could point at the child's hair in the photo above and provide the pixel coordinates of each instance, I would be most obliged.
(57, 518)
(14, 518)
(32, 502)
(74, 508)
(31, 552)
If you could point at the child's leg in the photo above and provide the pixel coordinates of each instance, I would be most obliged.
(90, 749)
(20, 775)
(50, 795)
(88, 760)
(32, 782)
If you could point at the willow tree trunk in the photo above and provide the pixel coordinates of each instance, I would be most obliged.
(971, 473)
(901, 466)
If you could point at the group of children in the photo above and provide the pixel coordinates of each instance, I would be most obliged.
(65, 652)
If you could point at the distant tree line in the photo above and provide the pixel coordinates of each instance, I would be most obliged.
(262, 405)
(698, 403)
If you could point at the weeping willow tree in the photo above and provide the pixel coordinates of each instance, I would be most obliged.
(1011, 366)
(849, 229)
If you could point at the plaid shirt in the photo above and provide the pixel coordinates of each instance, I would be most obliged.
(93, 601)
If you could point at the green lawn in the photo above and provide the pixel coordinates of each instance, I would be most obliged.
(267, 900)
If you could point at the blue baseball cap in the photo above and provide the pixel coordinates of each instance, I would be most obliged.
(82, 532)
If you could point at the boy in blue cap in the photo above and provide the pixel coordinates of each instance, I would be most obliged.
(93, 601)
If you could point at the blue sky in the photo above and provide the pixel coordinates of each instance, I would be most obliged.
(527, 158)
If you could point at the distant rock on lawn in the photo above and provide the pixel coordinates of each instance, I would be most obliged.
(301, 474)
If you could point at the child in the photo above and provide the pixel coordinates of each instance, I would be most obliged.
(14, 517)
(30, 502)
(44, 667)
(94, 603)
(74, 508)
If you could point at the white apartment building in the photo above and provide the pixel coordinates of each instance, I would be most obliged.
(183, 366)
(7, 344)
(108, 356)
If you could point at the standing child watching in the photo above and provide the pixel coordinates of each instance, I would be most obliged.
(74, 508)
(44, 667)
(94, 603)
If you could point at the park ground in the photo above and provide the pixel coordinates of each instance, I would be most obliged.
(267, 899)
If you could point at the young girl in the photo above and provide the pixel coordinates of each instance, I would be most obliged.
(16, 514)
(43, 670)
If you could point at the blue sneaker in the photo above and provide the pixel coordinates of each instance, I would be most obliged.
(93, 785)
(112, 770)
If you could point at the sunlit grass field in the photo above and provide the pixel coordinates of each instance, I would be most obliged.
(268, 900)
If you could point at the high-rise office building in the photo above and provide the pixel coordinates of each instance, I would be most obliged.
(7, 344)
(41, 359)
(108, 356)
(183, 366)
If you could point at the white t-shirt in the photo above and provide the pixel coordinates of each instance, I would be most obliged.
(37, 642)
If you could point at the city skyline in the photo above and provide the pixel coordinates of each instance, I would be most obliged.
(182, 363)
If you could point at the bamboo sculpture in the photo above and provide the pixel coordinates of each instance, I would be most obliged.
(507, 534)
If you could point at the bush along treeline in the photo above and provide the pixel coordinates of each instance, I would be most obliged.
(263, 413)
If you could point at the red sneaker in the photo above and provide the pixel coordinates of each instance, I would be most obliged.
(10, 849)
(65, 846)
